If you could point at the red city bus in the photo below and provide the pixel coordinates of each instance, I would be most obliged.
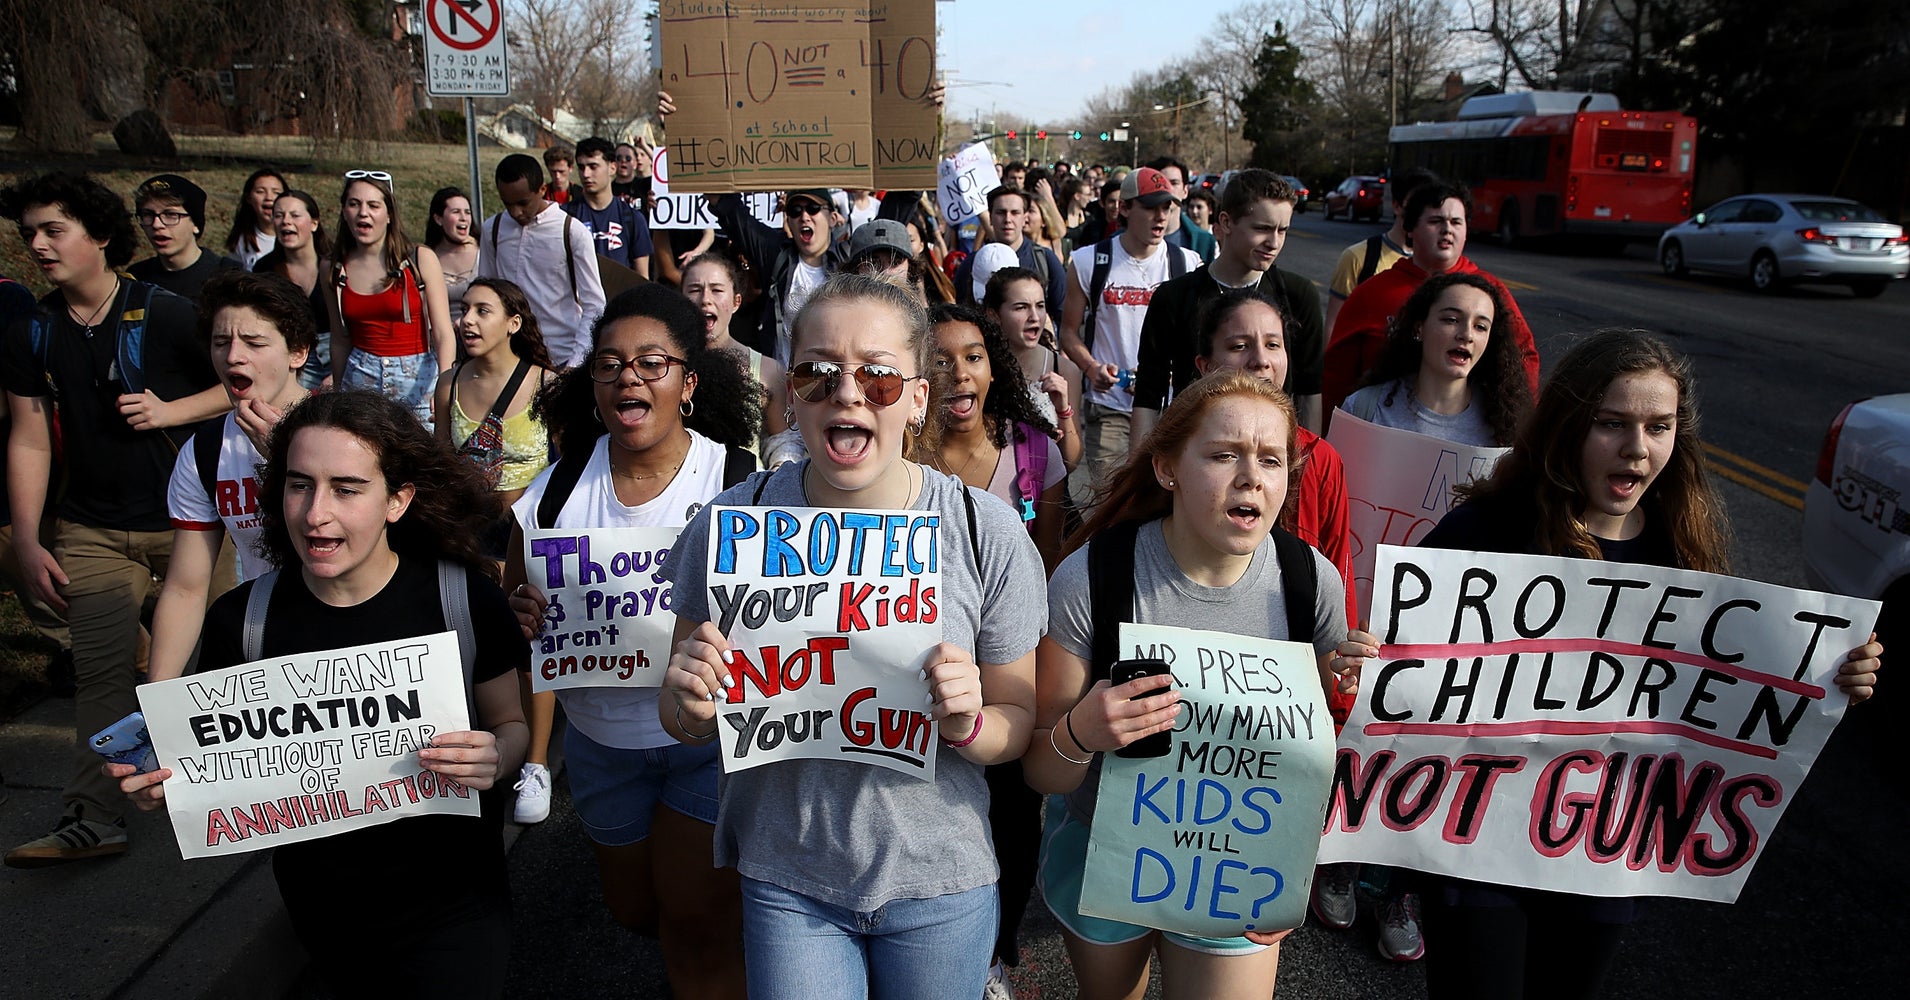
(1560, 163)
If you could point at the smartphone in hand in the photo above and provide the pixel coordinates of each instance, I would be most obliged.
(126, 742)
(1157, 744)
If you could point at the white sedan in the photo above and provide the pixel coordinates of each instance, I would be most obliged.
(1857, 510)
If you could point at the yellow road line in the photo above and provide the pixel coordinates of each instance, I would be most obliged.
(1795, 503)
(1771, 474)
(1303, 234)
(1520, 285)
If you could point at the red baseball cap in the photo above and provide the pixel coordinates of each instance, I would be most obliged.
(1147, 186)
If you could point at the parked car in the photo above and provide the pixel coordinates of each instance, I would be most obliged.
(1209, 181)
(1300, 191)
(1778, 239)
(1357, 197)
(1857, 512)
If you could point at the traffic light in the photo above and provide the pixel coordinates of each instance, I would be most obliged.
(1011, 133)
(1041, 133)
(1076, 134)
(1105, 137)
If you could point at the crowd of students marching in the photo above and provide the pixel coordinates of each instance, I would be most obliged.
(1082, 373)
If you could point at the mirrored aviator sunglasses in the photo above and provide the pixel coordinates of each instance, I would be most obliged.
(815, 381)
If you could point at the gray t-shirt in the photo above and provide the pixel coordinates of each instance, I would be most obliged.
(1391, 404)
(1255, 605)
(857, 836)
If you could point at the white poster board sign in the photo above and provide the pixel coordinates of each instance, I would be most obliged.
(963, 181)
(608, 623)
(676, 210)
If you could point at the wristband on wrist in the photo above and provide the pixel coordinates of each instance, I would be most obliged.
(977, 731)
(1063, 754)
(1077, 739)
(696, 737)
(1065, 414)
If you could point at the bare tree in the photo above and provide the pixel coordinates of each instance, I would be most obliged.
(563, 46)
(52, 75)
(1538, 40)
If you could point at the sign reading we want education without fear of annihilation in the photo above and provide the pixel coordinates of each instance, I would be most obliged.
(776, 95)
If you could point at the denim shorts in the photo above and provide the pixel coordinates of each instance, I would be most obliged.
(1064, 855)
(616, 791)
(407, 379)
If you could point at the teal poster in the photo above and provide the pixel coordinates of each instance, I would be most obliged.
(1218, 837)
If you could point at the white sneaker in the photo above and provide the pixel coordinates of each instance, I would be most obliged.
(997, 986)
(533, 795)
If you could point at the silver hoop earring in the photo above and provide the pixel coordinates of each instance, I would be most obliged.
(789, 415)
(597, 415)
(687, 407)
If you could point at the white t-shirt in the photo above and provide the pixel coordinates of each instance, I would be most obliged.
(625, 717)
(804, 280)
(247, 256)
(235, 505)
(1124, 298)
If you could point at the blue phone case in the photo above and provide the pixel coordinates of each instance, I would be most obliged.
(126, 742)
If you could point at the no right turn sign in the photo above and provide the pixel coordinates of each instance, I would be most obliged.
(464, 49)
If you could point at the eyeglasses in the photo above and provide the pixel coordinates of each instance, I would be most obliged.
(367, 175)
(815, 381)
(804, 207)
(171, 217)
(647, 367)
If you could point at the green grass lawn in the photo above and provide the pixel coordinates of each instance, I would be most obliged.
(221, 163)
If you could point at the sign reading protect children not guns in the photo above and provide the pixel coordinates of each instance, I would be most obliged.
(775, 94)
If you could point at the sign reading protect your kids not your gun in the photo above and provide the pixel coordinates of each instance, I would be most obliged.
(608, 622)
(1584, 726)
(300, 747)
(830, 616)
(1218, 837)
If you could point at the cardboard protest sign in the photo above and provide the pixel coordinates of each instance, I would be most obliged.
(1217, 838)
(963, 182)
(299, 747)
(677, 210)
(1398, 485)
(775, 94)
(830, 616)
(1584, 726)
(609, 622)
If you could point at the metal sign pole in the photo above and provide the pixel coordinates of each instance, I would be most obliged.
(470, 138)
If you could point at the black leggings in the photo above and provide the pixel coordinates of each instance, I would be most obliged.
(1542, 946)
(1014, 824)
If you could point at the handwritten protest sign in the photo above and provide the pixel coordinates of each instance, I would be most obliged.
(675, 210)
(830, 616)
(1217, 838)
(1584, 726)
(300, 747)
(609, 622)
(1398, 485)
(776, 94)
(963, 182)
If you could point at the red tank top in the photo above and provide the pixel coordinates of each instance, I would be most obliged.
(377, 321)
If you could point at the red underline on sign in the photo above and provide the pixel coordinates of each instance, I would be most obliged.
(1560, 728)
(1436, 651)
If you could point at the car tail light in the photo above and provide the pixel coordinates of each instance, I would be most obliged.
(1897, 241)
(1816, 235)
(1827, 459)
(1362, 192)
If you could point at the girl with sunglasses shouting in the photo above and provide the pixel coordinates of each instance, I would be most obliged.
(859, 880)
(650, 427)
(391, 319)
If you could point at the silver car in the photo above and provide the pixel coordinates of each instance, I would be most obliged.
(1776, 239)
(1857, 511)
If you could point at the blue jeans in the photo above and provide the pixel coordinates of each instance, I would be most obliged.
(908, 949)
(405, 379)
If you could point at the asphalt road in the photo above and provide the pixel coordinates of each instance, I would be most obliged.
(1822, 914)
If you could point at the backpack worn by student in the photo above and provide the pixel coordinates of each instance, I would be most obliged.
(1370, 263)
(1111, 589)
(570, 252)
(1031, 467)
(1103, 261)
(454, 596)
(738, 463)
(129, 347)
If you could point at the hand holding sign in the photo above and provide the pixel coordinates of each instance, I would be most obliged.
(1111, 716)
(954, 689)
(698, 672)
(468, 757)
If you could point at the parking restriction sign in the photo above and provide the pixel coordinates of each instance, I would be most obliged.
(464, 49)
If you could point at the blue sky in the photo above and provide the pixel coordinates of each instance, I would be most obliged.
(1058, 53)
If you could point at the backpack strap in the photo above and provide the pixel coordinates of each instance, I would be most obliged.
(1041, 266)
(205, 455)
(1176, 263)
(974, 535)
(454, 597)
(40, 339)
(131, 349)
(1371, 263)
(1110, 592)
(570, 259)
(1031, 467)
(252, 634)
(564, 475)
(1103, 261)
(738, 463)
(1299, 582)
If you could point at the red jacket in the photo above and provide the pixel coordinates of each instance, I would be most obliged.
(1359, 332)
(1318, 517)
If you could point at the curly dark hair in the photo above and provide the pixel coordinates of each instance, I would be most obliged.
(270, 295)
(731, 402)
(453, 505)
(245, 220)
(1498, 383)
(1008, 404)
(528, 342)
(96, 207)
